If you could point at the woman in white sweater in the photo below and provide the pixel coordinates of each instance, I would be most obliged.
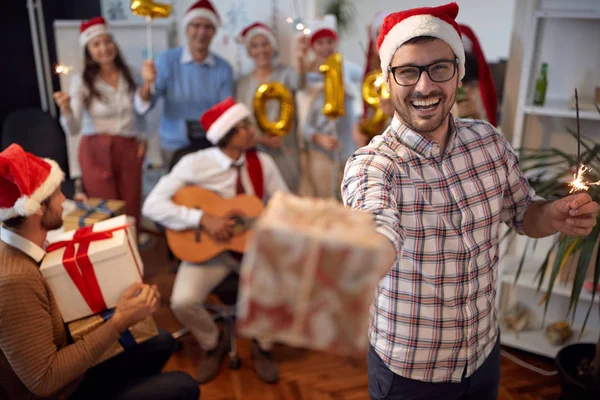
(99, 105)
(261, 45)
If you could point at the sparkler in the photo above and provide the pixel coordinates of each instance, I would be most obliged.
(62, 69)
(579, 182)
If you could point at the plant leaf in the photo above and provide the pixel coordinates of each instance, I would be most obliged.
(520, 267)
(596, 280)
(583, 264)
(564, 249)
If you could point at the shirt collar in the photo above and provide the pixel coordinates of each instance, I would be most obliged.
(19, 242)
(417, 142)
(226, 162)
(186, 58)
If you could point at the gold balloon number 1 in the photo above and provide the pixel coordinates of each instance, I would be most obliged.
(274, 91)
(373, 90)
(333, 86)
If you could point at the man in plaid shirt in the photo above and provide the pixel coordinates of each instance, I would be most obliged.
(438, 188)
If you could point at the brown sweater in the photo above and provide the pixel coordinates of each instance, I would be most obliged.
(35, 359)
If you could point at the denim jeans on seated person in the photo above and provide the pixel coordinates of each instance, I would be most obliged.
(135, 375)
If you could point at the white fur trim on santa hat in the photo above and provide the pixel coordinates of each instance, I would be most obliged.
(226, 121)
(29, 205)
(91, 32)
(259, 30)
(421, 25)
(201, 12)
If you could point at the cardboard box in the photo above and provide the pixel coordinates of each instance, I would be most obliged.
(309, 275)
(89, 269)
(138, 333)
(95, 210)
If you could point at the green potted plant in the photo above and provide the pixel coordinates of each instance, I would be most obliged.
(550, 171)
(344, 11)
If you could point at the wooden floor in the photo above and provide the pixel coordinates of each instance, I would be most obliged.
(307, 375)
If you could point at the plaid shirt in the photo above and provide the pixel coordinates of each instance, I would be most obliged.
(434, 316)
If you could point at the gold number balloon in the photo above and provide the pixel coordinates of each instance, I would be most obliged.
(333, 86)
(273, 91)
(373, 89)
(151, 9)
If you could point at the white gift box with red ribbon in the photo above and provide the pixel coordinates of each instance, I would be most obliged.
(88, 269)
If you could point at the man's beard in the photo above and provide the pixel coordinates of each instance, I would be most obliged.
(51, 222)
(420, 125)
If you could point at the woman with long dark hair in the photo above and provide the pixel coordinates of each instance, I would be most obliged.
(99, 105)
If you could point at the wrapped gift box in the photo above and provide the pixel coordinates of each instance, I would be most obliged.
(89, 269)
(94, 210)
(309, 275)
(138, 333)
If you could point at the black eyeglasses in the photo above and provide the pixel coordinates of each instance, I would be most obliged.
(409, 75)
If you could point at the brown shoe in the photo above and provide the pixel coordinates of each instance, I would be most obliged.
(264, 363)
(210, 364)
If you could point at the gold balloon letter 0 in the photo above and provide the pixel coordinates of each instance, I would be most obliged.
(373, 88)
(147, 8)
(273, 91)
(333, 86)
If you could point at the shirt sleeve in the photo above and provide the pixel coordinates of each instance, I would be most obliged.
(160, 208)
(142, 106)
(369, 185)
(274, 181)
(78, 93)
(309, 127)
(27, 339)
(518, 193)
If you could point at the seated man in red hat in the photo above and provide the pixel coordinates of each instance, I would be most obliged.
(36, 357)
(231, 167)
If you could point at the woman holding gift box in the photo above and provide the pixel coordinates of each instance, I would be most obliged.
(100, 107)
(261, 44)
(36, 358)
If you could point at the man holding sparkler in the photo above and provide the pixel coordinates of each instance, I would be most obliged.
(190, 79)
(438, 188)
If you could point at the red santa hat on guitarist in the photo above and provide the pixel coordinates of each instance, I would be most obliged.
(202, 8)
(218, 120)
(438, 22)
(483, 73)
(258, 28)
(25, 182)
(90, 29)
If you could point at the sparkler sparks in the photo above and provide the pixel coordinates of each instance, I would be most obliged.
(579, 183)
(62, 69)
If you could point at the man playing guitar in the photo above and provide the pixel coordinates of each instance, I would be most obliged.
(231, 167)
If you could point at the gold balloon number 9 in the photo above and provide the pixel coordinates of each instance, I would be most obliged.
(274, 91)
(373, 89)
(333, 86)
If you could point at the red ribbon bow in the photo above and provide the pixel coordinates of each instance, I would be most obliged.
(79, 266)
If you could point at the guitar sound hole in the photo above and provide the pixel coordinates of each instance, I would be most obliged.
(239, 226)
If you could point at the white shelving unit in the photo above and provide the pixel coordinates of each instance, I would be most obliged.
(569, 41)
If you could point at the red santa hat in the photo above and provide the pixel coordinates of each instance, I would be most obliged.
(25, 182)
(202, 8)
(218, 120)
(323, 27)
(258, 28)
(90, 29)
(484, 74)
(438, 22)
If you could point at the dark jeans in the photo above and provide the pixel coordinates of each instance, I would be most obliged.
(135, 375)
(482, 385)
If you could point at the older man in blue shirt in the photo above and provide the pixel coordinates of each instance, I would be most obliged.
(190, 79)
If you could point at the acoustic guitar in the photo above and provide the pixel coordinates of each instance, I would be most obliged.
(196, 246)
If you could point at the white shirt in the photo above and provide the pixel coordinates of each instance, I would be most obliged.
(113, 115)
(212, 170)
(19, 242)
